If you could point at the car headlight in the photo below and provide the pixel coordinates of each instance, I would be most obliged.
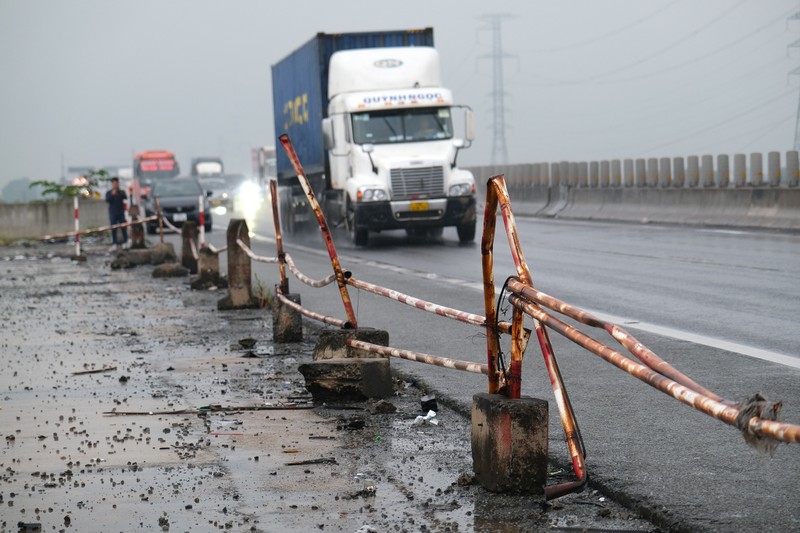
(461, 189)
(372, 195)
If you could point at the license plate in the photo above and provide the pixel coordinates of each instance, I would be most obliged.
(179, 217)
(419, 206)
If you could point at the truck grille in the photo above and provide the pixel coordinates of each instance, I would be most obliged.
(421, 182)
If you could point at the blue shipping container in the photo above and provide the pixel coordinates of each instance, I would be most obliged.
(300, 91)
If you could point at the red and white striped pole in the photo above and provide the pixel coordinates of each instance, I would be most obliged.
(202, 220)
(77, 227)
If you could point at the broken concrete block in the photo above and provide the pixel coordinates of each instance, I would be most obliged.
(348, 379)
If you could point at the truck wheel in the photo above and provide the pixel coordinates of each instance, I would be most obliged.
(466, 232)
(358, 236)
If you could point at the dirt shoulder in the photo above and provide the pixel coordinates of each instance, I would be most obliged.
(128, 402)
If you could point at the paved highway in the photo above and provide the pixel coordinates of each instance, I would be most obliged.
(718, 305)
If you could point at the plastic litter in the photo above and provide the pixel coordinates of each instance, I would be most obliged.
(429, 418)
(428, 403)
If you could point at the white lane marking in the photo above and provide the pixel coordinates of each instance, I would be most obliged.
(628, 323)
(735, 347)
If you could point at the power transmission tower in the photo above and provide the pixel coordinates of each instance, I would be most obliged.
(796, 44)
(498, 94)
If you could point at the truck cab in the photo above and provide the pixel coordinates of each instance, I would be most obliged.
(393, 143)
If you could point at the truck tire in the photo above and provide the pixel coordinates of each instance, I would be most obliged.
(466, 232)
(358, 236)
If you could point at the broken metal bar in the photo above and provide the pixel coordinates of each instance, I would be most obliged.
(97, 371)
(276, 219)
(311, 314)
(321, 460)
(642, 352)
(419, 357)
(246, 249)
(96, 230)
(455, 314)
(213, 409)
(316, 283)
(725, 413)
(323, 225)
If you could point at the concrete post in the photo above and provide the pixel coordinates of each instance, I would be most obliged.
(189, 237)
(792, 168)
(641, 173)
(287, 322)
(664, 172)
(563, 172)
(240, 290)
(693, 170)
(555, 174)
(544, 174)
(594, 174)
(627, 166)
(574, 179)
(208, 271)
(605, 172)
(723, 171)
(616, 173)
(678, 172)
(774, 169)
(756, 169)
(535, 174)
(652, 172)
(707, 170)
(509, 443)
(583, 174)
(739, 170)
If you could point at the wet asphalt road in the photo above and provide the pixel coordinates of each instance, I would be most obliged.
(718, 305)
(130, 404)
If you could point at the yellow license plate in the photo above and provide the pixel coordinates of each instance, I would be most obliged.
(419, 206)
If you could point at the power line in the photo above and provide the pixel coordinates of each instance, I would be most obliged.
(605, 35)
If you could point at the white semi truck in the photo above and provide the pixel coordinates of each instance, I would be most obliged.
(377, 134)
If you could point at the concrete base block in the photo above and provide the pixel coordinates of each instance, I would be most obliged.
(331, 343)
(287, 323)
(348, 379)
(208, 272)
(509, 443)
(163, 253)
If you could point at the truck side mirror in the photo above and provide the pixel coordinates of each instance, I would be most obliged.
(469, 126)
(327, 133)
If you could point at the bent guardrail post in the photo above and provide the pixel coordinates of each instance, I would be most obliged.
(326, 232)
(240, 291)
(160, 216)
(273, 191)
(287, 321)
(497, 194)
(340, 370)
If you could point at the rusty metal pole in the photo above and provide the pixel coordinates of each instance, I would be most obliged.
(487, 264)
(273, 190)
(574, 441)
(160, 220)
(326, 232)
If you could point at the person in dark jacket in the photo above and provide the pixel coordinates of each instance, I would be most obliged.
(116, 211)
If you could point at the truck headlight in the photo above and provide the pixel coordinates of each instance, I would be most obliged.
(372, 195)
(461, 189)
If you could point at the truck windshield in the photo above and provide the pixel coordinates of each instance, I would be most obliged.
(402, 125)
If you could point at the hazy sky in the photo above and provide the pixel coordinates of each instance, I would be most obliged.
(91, 81)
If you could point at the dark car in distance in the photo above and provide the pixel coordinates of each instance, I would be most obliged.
(179, 199)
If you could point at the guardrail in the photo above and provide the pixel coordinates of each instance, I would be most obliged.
(697, 190)
(755, 418)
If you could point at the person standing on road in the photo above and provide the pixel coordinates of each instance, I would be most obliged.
(116, 212)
